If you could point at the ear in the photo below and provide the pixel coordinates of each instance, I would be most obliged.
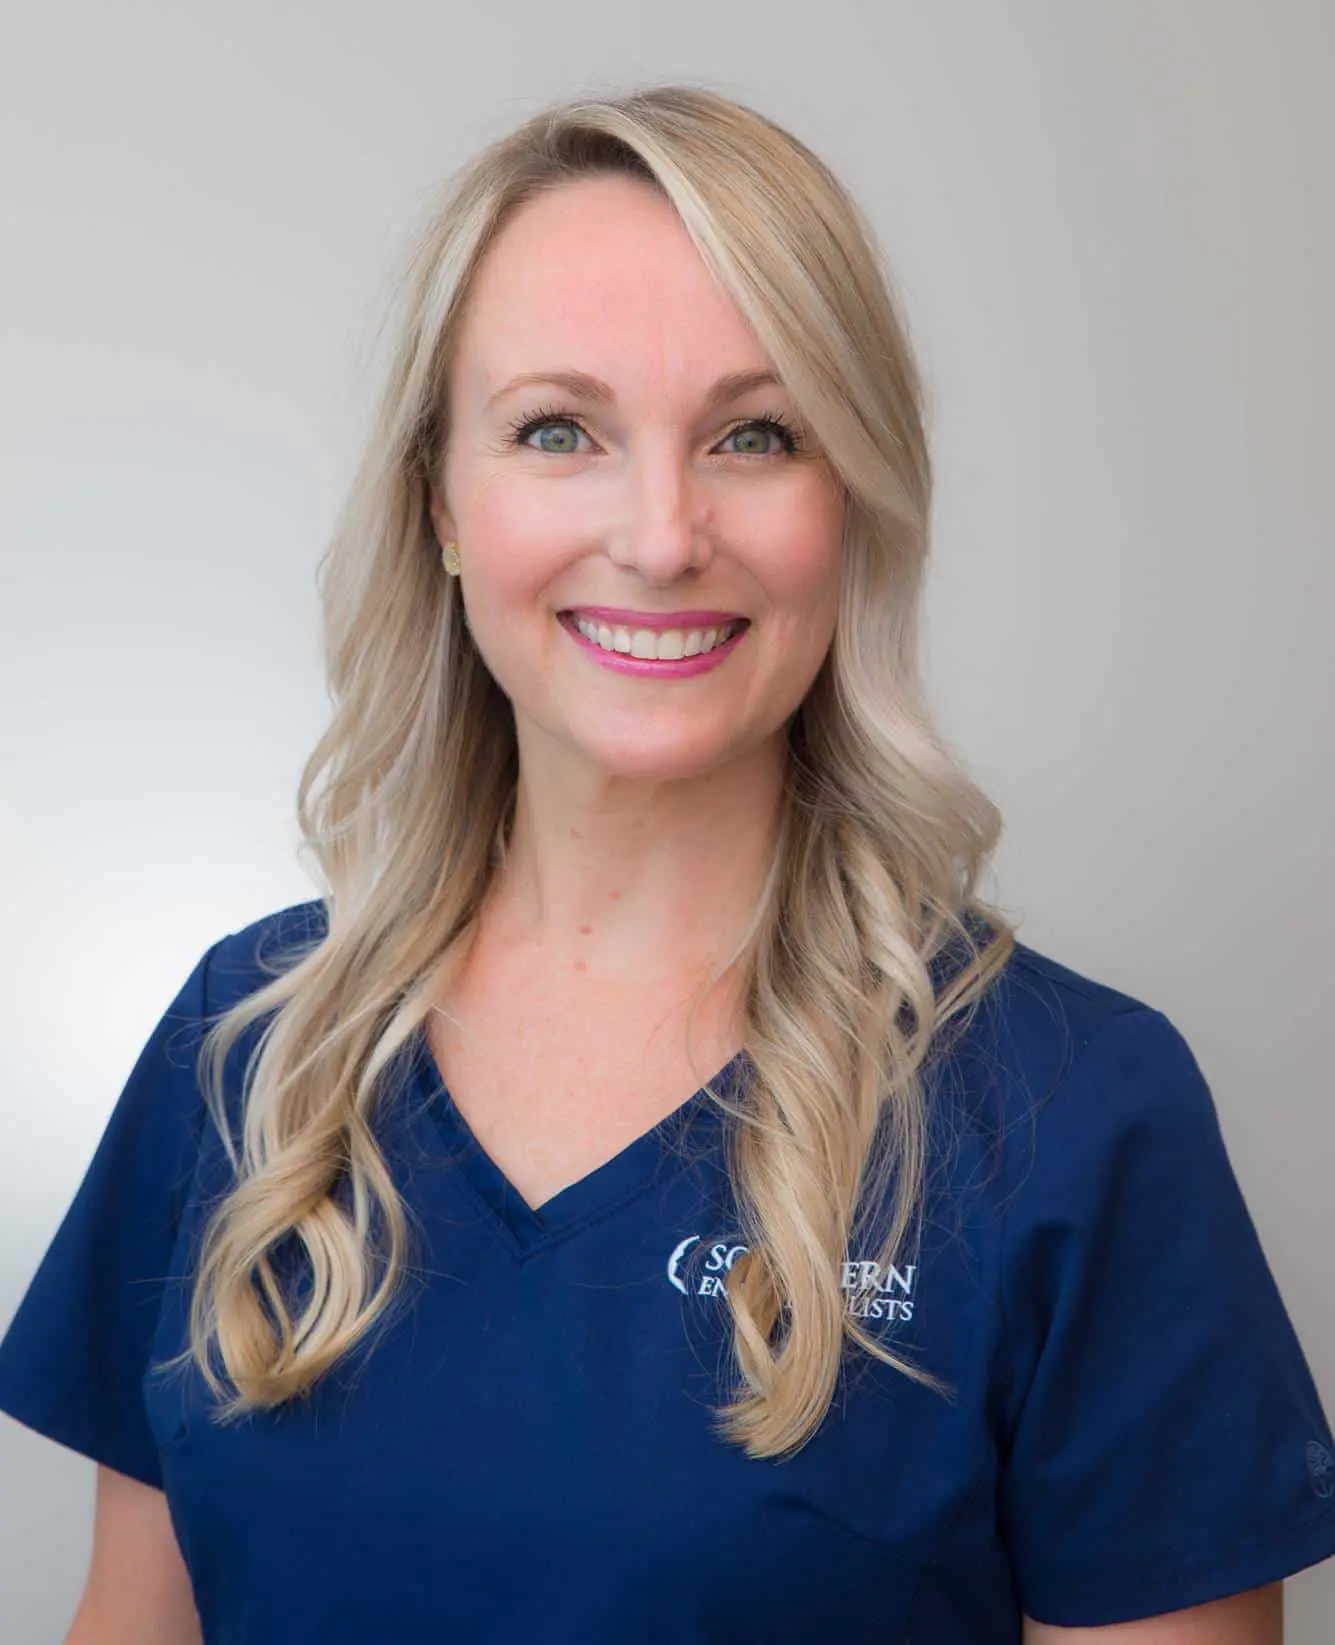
(441, 518)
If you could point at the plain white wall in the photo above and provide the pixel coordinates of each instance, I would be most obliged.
(1107, 224)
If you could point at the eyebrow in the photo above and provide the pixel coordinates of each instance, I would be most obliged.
(593, 389)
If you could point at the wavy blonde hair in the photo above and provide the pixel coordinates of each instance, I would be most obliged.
(406, 802)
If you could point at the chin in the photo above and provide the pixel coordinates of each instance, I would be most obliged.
(666, 761)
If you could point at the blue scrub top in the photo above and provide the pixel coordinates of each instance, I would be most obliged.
(526, 1451)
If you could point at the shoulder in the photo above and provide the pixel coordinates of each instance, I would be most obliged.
(1055, 1067)
(246, 959)
(1050, 1013)
(234, 966)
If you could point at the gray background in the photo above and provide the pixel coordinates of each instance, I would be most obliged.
(1107, 224)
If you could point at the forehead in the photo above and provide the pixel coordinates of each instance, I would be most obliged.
(599, 275)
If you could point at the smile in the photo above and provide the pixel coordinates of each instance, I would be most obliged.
(665, 652)
(663, 645)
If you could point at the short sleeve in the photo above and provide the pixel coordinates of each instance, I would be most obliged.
(74, 1356)
(1165, 1442)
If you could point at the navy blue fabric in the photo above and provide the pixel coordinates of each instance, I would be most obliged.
(525, 1450)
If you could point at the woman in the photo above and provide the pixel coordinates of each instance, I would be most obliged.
(648, 1196)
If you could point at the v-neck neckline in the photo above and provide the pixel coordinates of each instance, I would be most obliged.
(627, 1173)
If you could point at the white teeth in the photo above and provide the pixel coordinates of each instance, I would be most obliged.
(663, 645)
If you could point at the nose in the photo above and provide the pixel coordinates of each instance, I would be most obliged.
(664, 531)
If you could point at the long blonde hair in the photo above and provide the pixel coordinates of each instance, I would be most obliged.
(405, 804)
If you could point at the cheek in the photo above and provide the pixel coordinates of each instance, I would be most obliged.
(803, 559)
(517, 544)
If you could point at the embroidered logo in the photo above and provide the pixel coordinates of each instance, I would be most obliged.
(1321, 1469)
(872, 1290)
(879, 1291)
(698, 1269)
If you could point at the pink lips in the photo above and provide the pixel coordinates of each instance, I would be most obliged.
(655, 619)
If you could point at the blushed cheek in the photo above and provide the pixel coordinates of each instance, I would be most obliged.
(806, 565)
(497, 512)
(514, 534)
(804, 578)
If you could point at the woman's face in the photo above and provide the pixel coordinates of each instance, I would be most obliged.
(658, 512)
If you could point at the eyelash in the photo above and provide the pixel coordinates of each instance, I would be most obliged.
(523, 426)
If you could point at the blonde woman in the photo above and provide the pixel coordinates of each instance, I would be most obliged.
(646, 1196)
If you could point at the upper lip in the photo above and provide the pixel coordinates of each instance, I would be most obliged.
(654, 619)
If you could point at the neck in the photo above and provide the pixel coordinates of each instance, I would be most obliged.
(632, 879)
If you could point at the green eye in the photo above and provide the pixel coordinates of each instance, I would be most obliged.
(557, 426)
(548, 420)
(562, 431)
(770, 424)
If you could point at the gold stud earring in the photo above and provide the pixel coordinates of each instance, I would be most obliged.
(449, 553)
